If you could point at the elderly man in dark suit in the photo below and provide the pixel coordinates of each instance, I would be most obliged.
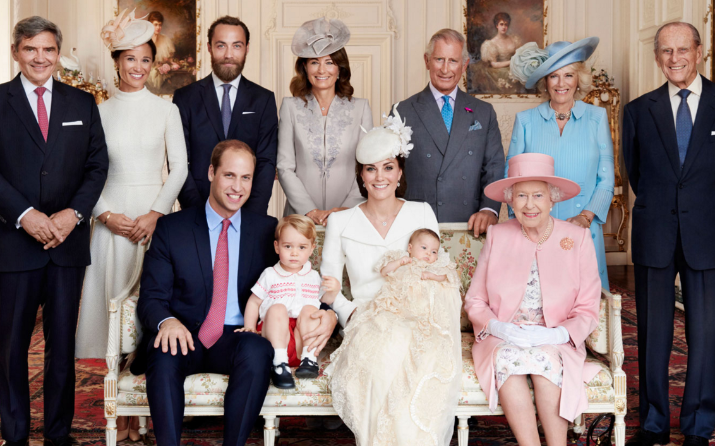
(225, 105)
(53, 166)
(457, 143)
(669, 149)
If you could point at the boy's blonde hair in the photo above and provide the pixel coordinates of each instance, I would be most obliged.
(300, 223)
(424, 231)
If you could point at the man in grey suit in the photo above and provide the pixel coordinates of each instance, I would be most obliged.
(457, 143)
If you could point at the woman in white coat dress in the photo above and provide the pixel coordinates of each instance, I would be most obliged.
(320, 126)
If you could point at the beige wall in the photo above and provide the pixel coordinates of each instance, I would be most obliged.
(387, 44)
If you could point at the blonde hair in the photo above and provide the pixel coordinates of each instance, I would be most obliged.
(300, 223)
(585, 82)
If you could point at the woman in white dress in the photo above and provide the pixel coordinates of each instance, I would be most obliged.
(142, 131)
(358, 238)
(320, 125)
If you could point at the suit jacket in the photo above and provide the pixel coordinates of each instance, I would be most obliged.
(450, 170)
(571, 290)
(254, 120)
(67, 171)
(670, 200)
(177, 279)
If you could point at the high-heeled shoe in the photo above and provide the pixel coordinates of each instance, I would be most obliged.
(134, 429)
(122, 432)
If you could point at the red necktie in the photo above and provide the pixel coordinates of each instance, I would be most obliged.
(42, 112)
(212, 328)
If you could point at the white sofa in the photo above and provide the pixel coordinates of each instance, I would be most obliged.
(125, 394)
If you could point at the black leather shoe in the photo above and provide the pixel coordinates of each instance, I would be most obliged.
(25, 442)
(281, 377)
(308, 369)
(647, 438)
(695, 440)
(62, 441)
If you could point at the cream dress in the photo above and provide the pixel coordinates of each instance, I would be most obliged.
(142, 131)
(396, 377)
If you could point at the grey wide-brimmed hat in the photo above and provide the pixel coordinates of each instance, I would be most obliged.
(319, 37)
(562, 54)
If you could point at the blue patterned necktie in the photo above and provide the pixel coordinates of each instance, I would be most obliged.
(447, 113)
(683, 125)
(226, 108)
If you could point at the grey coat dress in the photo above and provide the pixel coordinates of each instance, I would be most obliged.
(316, 153)
(449, 170)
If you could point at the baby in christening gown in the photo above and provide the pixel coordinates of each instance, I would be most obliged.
(396, 377)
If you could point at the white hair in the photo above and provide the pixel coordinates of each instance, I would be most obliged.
(554, 192)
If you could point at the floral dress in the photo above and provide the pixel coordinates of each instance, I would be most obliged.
(544, 360)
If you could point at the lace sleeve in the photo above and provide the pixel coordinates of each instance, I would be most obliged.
(388, 257)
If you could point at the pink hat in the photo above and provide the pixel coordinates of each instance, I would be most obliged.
(531, 167)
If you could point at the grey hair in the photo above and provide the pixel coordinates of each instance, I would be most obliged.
(32, 26)
(554, 192)
(449, 35)
(693, 30)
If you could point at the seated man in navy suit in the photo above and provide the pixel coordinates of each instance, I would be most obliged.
(196, 281)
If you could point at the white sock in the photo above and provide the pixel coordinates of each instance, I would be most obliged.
(280, 356)
(310, 355)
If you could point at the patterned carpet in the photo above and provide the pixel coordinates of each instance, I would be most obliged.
(89, 423)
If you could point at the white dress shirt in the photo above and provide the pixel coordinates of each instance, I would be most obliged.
(29, 88)
(696, 89)
(218, 85)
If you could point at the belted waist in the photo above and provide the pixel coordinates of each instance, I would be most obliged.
(135, 179)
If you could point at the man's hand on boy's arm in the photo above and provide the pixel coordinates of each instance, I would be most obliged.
(332, 287)
(250, 317)
(392, 266)
(426, 275)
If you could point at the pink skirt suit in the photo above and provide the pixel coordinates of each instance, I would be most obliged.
(570, 288)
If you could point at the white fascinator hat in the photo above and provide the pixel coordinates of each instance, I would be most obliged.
(125, 32)
(390, 140)
(319, 37)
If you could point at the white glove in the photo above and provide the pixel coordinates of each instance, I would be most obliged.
(510, 333)
(539, 335)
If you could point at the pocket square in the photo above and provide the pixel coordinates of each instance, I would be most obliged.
(65, 124)
(475, 126)
(248, 113)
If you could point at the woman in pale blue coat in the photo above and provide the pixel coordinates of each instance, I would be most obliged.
(575, 134)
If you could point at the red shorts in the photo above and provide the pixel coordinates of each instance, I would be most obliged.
(293, 360)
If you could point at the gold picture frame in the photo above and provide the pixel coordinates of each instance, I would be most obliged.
(500, 86)
(178, 61)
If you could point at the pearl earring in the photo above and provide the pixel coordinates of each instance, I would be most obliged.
(363, 185)
(398, 184)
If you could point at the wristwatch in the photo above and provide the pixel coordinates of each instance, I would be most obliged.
(79, 216)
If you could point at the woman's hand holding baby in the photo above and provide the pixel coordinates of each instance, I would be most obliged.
(332, 287)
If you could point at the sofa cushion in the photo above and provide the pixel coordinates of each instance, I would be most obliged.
(207, 389)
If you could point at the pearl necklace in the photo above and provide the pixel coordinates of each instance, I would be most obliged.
(562, 116)
(543, 238)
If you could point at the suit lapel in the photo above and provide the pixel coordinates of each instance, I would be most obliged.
(460, 127)
(18, 101)
(245, 250)
(428, 111)
(662, 112)
(703, 124)
(243, 95)
(203, 251)
(59, 108)
(213, 108)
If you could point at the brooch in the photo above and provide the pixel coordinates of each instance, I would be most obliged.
(566, 243)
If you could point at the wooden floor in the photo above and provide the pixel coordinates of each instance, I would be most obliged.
(622, 276)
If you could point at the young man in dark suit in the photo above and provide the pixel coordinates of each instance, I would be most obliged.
(53, 166)
(669, 150)
(225, 105)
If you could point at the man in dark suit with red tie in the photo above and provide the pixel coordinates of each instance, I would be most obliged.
(53, 166)
(669, 150)
(225, 105)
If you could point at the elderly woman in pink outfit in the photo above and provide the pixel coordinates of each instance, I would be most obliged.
(533, 301)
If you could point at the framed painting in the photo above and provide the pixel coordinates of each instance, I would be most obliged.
(177, 39)
(495, 29)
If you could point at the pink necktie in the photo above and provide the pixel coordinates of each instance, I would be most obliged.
(212, 328)
(42, 112)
